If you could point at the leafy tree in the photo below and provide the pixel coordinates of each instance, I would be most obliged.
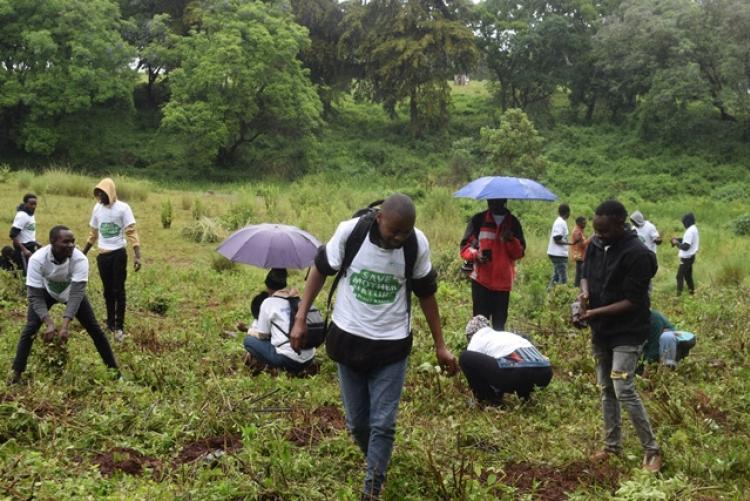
(60, 58)
(515, 147)
(410, 49)
(332, 67)
(239, 79)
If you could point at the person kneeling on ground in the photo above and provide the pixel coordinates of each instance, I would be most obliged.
(267, 341)
(58, 273)
(666, 344)
(497, 362)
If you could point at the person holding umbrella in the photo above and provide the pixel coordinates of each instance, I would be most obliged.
(493, 242)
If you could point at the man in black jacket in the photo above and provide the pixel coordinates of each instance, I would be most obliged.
(614, 293)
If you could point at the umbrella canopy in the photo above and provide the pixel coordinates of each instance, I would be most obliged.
(516, 188)
(271, 246)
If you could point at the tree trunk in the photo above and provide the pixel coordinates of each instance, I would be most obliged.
(590, 106)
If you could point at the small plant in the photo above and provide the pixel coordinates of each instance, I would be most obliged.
(199, 210)
(239, 215)
(166, 214)
(742, 225)
(186, 202)
(221, 264)
(5, 173)
(203, 231)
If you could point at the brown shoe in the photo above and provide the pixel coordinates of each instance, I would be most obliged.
(652, 462)
(602, 455)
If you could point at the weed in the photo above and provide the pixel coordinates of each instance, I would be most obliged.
(203, 231)
(221, 264)
(166, 214)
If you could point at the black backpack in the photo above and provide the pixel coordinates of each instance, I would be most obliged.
(354, 243)
(316, 327)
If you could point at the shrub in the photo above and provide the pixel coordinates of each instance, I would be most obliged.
(166, 214)
(199, 210)
(239, 215)
(731, 192)
(24, 179)
(731, 273)
(741, 225)
(186, 202)
(5, 173)
(221, 264)
(203, 231)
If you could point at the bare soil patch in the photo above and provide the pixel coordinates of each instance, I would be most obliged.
(551, 483)
(705, 407)
(126, 460)
(311, 427)
(208, 446)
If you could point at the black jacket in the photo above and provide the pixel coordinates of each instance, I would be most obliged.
(622, 271)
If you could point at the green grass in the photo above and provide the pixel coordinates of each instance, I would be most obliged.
(185, 380)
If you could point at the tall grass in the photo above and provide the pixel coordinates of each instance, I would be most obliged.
(61, 181)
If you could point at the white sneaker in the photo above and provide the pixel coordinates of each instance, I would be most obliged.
(119, 335)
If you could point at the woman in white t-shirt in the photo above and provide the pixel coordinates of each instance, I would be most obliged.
(499, 362)
(688, 247)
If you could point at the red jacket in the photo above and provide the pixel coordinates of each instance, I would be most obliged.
(482, 233)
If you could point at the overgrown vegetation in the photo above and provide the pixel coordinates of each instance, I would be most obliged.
(189, 421)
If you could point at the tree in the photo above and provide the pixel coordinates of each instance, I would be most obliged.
(410, 49)
(239, 79)
(515, 147)
(59, 58)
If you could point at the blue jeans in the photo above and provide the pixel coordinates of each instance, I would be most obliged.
(264, 351)
(371, 402)
(615, 371)
(559, 270)
(674, 346)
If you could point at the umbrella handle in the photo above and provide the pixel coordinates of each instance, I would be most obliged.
(307, 273)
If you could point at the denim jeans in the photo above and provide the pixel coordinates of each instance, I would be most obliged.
(615, 370)
(371, 401)
(559, 270)
(673, 347)
(264, 351)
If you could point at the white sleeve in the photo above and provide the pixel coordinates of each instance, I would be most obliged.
(423, 265)
(80, 268)
(34, 274)
(20, 220)
(127, 216)
(654, 233)
(335, 246)
(264, 317)
(689, 236)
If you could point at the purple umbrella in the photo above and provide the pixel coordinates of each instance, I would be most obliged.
(270, 246)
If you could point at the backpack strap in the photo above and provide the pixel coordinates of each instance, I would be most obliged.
(353, 243)
(293, 306)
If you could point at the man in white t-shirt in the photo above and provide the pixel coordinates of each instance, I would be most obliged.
(112, 227)
(23, 231)
(646, 231)
(499, 362)
(370, 336)
(557, 248)
(687, 247)
(58, 273)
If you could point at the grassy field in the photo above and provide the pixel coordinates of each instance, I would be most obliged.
(190, 422)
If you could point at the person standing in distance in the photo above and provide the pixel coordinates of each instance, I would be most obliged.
(687, 247)
(112, 222)
(370, 337)
(557, 248)
(23, 231)
(493, 242)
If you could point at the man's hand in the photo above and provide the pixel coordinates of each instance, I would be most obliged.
(447, 361)
(137, 263)
(64, 333)
(49, 331)
(298, 334)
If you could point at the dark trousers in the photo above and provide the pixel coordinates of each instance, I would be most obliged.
(579, 273)
(87, 319)
(21, 260)
(685, 274)
(113, 270)
(489, 381)
(491, 304)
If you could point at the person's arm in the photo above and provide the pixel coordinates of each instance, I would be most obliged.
(132, 236)
(617, 308)
(313, 286)
(75, 296)
(469, 243)
(15, 233)
(93, 235)
(431, 312)
(39, 307)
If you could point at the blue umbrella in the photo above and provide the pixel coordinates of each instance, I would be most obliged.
(515, 188)
(271, 246)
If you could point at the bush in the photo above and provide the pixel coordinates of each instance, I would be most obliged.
(741, 225)
(199, 210)
(203, 231)
(166, 214)
(239, 215)
(731, 273)
(5, 173)
(221, 264)
(731, 192)
(186, 202)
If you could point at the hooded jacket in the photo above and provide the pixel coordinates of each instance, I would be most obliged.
(107, 185)
(481, 234)
(616, 272)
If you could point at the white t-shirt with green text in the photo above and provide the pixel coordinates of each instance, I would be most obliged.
(371, 298)
(274, 319)
(27, 224)
(44, 273)
(110, 222)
